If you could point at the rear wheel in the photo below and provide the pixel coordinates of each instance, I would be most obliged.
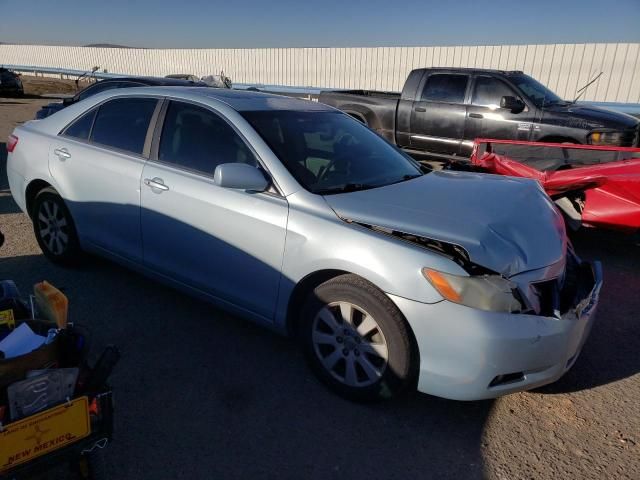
(356, 340)
(54, 228)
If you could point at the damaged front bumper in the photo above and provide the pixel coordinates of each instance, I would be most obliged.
(470, 354)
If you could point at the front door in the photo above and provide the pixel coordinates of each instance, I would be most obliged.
(97, 162)
(438, 116)
(224, 242)
(485, 118)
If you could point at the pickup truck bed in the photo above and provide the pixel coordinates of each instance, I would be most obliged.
(373, 108)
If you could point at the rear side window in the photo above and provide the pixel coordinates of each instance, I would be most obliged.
(488, 91)
(197, 139)
(122, 123)
(448, 88)
(81, 128)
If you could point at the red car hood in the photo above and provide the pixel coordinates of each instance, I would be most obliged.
(612, 189)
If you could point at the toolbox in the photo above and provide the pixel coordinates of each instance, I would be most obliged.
(54, 407)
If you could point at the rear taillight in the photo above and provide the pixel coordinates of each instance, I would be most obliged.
(11, 143)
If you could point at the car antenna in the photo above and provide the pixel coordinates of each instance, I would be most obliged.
(582, 90)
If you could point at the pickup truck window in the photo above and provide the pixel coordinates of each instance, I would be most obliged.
(488, 91)
(330, 152)
(444, 87)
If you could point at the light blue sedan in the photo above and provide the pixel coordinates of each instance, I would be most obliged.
(300, 218)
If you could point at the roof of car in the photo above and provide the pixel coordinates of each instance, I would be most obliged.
(159, 81)
(476, 70)
(240, 100)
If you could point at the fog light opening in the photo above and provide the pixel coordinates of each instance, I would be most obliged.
(506, 379)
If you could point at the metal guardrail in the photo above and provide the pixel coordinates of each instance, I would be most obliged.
(60, 71)
(309, 93)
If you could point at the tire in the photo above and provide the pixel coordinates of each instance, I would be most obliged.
(54, 228)
(356, 340)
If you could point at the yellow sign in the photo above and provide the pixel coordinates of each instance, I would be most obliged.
(44, 432)
(6, 318)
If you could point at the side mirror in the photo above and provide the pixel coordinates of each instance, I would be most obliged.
(240, 176)
(512, 103)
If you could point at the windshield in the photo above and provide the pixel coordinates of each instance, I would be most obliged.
(538, 93)
(330, 152)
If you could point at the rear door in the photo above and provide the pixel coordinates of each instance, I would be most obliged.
(97, 163)
(227, 243)
(485, 118)
(438, 116)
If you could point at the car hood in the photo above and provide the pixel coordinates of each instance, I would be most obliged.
(596, 117)
(505, 224)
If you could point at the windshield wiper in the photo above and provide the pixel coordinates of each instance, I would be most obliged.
(349, 187)
(555, 102)
(408, 177)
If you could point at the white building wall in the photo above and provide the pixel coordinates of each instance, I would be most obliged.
(562, 67)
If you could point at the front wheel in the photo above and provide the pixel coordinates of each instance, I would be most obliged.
(54, 228)
(356, 340)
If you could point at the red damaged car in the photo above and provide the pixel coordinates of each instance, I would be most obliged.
(595, 186)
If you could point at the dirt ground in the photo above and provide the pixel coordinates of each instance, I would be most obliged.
(36, 86)
(201, 394)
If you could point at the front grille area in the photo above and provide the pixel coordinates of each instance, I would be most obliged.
(556, 297)
(549, 297)
(630, 138)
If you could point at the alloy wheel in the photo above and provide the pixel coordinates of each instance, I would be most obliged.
(350, 344)
(53, 227)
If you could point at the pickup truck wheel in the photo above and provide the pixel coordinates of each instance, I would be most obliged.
(54, 228)
(356, 340)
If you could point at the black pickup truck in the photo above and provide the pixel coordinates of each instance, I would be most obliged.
(442, 110)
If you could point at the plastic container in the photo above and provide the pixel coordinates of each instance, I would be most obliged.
(52, 304)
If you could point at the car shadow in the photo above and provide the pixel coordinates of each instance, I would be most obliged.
(15, 100)
(203, 394)
(7, 205)
(611, 351)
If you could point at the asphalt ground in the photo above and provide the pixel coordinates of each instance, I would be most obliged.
(201, 394)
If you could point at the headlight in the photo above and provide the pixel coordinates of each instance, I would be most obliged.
(605, 138)
(487, 292)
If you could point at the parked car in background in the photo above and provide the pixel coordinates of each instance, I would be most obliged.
(111, 83)
(10, 83)
(297, 216)
(594, 186)
(442, 110)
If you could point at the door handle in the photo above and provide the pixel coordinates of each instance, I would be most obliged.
(475, 115)
(421, 109)
(62, 153)
(156, 184)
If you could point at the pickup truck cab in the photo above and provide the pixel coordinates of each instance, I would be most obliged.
(442, 110)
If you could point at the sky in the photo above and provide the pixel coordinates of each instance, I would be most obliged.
(321, 23)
